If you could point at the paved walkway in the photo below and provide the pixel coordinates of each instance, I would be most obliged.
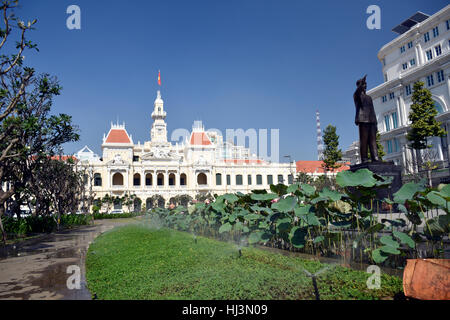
(37, 268)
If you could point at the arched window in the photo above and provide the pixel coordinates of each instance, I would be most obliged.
(183, 179)
(269, 179)
(239, 179)
(160, 178)
(218, 179)
(161, 202)
(148, 179)
(97, 180)
(438, 107)
(148, 204)
(201, 179)
(117, 203)
(171, 179)
(117, 179)
(136, 179)
(137, 205)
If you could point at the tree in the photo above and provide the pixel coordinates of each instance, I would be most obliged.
(331, 154)
(303, 177)
(108, 200)
(57, 180)
(423, 125)
(28, 133)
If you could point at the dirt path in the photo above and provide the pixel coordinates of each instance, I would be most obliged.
(37, 269)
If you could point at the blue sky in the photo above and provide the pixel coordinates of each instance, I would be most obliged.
(232, 64)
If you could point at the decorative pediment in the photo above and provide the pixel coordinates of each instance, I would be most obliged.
(201, 161)
(117, 161)
(160, 153)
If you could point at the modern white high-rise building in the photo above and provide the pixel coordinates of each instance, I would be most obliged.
(419, 53)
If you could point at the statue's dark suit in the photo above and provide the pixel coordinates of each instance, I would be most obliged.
(366, 120)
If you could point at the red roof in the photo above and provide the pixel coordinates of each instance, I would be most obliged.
(315, 166)
(117, 136)
(62, 158)
(241, 161)
(200, 138)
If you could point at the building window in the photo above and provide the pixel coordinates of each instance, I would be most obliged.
(385, 77)
(389, 146)
(438, 50)
(290, 179)
(448, 24)
(117, 179)
(440, 75)
(412, 62)
(280, 178)
(430, 80)
(135, 158)
(171, 179)
(183, 179)
(435, 32)
(269, 179)
(202, 179)
(387, 123)
(426, 37)
(97, 180)
(396, 145)
(136, 179)
(438, 107)
(249, 179)
(408, 89)
(383, 98)
(218, 179)
(228, 180)
(391, 95)
(394, 120)
(160, 179)
(259, 179)
(405, 66)
(402, 49)
(239, 180)
(429, 55)
(384, 62)
(410, 45)
(148, 179)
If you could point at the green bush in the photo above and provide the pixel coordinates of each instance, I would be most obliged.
(95, 209)
(41, 224)
(100, 216)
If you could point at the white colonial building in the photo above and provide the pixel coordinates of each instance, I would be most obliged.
(420, 53)
(202, 164)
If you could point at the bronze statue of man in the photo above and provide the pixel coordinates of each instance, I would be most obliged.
(366, 120)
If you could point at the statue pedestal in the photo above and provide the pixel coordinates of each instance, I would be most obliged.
(385, 169)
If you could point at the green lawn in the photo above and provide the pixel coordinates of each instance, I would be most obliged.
(135, 262)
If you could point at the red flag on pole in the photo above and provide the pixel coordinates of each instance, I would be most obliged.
(159, 78)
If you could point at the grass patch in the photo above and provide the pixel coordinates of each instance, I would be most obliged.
(135, 262)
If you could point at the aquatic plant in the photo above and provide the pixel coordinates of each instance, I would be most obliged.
(326, 222)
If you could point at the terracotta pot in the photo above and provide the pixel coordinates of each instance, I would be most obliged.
(427, 279)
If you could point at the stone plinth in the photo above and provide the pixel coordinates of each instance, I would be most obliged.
(385, 169)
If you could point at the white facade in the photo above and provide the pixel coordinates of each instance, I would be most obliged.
(204, 163)
(419, 54)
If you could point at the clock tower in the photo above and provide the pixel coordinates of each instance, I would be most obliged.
(158, 133)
